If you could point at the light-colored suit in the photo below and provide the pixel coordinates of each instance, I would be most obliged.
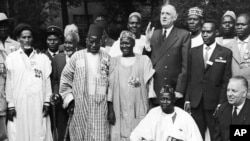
(238, 65)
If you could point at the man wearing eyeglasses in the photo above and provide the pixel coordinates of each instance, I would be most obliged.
(165, 122)
(83, 87)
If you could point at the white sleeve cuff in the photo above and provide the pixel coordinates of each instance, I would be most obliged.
(11, 104)
(67, 100)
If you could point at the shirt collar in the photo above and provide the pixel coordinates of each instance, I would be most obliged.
(212, 46)
(244, 41)
(20, 50)
(51, 53)
(240, 106)
(168, 29)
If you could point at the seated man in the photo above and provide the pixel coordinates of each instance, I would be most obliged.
(166, 122)
(235, 110)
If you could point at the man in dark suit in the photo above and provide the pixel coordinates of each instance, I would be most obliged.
(53, 40)
(58, 63)
(235, 110)
(169, 54)
(208, 75)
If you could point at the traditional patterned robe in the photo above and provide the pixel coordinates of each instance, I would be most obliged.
(89, 90)
(129, 92)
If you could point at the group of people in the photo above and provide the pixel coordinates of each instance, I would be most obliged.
(169, 84)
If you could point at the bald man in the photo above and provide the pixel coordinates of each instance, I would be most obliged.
(170, 46)
(235, 110)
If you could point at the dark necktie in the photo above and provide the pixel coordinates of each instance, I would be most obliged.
(164, 34)
(53, 55)
(234, 115)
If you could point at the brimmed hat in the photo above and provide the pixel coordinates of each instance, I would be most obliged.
(95, 30)
(54, 30)
(4, 18)
(195, 11)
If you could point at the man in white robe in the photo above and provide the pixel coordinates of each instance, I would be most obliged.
(134, 26)
(28, 90)
(166, 122)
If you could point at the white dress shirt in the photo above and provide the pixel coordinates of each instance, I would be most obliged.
(210, 51)
(168, 30)
(242, 45)
(238, 108)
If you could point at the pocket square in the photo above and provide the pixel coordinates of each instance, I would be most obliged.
(220, 61)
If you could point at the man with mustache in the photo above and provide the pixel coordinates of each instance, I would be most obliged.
(241, 47)
(194, 21)
(170, 46)
(227, 28)
(166, 122)
(235, 110)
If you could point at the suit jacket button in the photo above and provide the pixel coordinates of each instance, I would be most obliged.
(166, 67)
(165, 78)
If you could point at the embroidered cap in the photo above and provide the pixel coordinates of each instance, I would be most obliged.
(127, 34)
(195, 11)
(230, 13)
(135, 14)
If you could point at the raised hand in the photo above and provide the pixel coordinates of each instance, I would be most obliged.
(149, 31)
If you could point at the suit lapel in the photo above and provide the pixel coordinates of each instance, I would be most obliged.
(243, 113)
(166, 45)
(63, 59)
(214, 55)
(200, 56)
(236, 52)
(48, 54)
(159, 40)
(228, 114)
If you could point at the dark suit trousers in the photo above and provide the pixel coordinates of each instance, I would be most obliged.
(61, 122)
(204, 118)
